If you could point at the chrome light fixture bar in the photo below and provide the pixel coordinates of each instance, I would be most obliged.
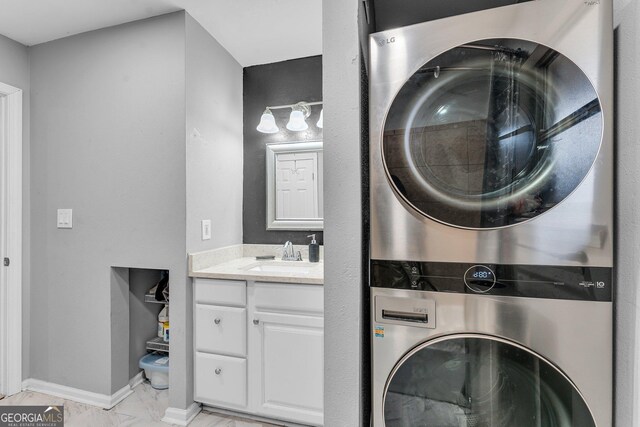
(300, 111)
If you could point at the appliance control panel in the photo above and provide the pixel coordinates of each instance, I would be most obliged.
(531, 281)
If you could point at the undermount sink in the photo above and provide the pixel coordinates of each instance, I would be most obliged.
(279, 268)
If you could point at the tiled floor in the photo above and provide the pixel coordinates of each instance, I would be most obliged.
(145, 407)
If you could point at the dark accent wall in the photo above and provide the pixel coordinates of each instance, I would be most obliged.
(388, 14)
(279, 83)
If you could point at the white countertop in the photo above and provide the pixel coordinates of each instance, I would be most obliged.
(236, 263)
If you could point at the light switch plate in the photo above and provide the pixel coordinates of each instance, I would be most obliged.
(206, 229)
(65, 218)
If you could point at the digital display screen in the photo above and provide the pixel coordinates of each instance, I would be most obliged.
(479, 278)
(482, 274)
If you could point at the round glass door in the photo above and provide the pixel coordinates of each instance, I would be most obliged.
(492, 133)
(475, 381)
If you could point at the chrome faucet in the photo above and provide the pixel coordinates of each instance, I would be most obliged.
(288, 253)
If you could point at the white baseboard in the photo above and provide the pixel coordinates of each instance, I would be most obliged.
(75, 394)
(137, 380)
(181, 417)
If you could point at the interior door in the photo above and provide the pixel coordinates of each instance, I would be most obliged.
(480, 381)
(491, 133)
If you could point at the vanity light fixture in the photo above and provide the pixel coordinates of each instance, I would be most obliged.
(319, 124)
(267, 123)
(300, 111)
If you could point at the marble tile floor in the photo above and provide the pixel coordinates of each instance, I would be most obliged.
(145, 407)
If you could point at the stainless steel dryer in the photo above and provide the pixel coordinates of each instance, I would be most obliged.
(491, 137)
(491, 176)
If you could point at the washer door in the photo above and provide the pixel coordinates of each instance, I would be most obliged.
(480, 381)
(491, 134)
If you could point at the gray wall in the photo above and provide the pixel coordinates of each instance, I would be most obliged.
(14, 71)
(343, 393)
(214, 172)
(108, 129)
(280, 83)
(120, 332)
(214, 157)
(627, 298)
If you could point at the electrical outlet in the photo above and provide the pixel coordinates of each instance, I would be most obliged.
(65, 218)
(206, 229)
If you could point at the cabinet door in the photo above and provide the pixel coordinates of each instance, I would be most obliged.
(286, 366)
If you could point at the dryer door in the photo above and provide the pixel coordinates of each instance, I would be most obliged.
(491, 134)
(480, 381)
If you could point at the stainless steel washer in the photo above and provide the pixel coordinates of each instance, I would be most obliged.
(452, 359)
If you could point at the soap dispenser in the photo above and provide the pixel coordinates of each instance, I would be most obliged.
(314, 249)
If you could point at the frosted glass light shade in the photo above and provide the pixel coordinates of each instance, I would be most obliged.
(319, 124)
(297, 122)
(267, 123)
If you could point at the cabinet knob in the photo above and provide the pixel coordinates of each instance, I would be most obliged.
(217, 320)
(218, 371)
(256, 321)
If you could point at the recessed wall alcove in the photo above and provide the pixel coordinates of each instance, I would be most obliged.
(134, 320)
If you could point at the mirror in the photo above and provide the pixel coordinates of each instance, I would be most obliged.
(294, 186)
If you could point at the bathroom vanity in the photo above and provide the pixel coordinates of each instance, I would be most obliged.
(259, 334)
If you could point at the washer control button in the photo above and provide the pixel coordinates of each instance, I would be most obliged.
(479, 279)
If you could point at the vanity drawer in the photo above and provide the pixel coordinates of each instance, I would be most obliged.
(286, 297)
(221, 380)
(223, 292)
(221, 329)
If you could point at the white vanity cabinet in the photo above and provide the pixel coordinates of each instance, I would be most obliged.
(259, 348)
(220, 340)
(286, 348)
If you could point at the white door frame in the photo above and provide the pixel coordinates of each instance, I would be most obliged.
(11, 241)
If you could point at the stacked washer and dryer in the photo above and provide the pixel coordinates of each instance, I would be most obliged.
(491, 163)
